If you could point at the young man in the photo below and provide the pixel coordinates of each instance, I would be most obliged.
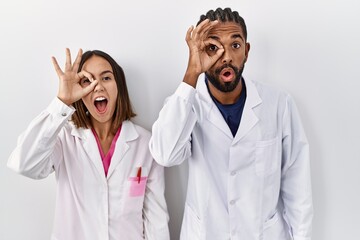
(249, 171)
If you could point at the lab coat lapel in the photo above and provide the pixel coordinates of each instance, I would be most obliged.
(90, 149)
(249, 118)
(213, 114)
(128, 133)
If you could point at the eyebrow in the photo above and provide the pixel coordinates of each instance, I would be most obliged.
(106, 71)
(234, 36)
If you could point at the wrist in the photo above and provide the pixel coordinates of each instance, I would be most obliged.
(67, 102)
(191, 78)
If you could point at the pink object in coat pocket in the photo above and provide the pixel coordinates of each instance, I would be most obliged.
(137, 188)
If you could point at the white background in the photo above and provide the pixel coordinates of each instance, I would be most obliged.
(309, 48)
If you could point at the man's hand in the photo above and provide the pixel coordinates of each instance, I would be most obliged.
(202, 55)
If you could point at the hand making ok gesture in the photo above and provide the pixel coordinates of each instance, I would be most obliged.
(70, 89)
(200, 59)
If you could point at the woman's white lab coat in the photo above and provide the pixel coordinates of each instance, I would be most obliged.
(254, 186)
(89, 205)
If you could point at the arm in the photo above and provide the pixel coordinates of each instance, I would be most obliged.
(170, 143)
(171, 133)
(39, 146)
(296, 180)
(155, 213)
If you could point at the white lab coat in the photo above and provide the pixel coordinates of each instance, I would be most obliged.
(254, 186)
(89, 205)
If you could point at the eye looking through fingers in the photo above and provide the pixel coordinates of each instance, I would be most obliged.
(85, 78)
(211, 47)
(84, 82)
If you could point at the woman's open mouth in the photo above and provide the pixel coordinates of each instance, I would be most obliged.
(100, 104)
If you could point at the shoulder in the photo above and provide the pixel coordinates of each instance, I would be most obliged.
(141, 131)
(267, 92)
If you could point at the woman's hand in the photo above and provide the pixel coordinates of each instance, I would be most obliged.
(70, 89)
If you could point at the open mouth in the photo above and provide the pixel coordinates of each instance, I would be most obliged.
(227, 74)
(100, 104)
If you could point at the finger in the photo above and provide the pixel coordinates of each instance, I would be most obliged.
(58, 70)
(68, 60)
(87, 75)
(188, 34)
(202, 27)
(83, 74)
(77, 60)
(203, 32)
(202, 24)
(218, 54)
(88, 89)
(211, 41)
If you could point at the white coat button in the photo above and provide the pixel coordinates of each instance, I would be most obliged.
(63, 114)
(233, 173)
(232, 202)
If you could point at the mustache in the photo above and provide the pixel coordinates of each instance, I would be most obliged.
(227, 65)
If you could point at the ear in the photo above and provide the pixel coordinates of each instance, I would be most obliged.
(247, 49)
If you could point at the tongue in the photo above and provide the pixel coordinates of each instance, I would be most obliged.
(100, 105)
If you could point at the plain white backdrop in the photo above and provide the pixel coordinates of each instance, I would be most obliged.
(309, 48)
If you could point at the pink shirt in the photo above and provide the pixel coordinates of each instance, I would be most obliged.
(107, 159)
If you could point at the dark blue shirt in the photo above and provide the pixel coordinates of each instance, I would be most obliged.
(232, 112)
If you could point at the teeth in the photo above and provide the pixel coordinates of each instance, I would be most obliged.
(100, 99)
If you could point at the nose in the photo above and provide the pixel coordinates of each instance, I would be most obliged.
(99, 87)
(226, 57)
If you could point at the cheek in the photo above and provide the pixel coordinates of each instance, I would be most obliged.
(87, 102)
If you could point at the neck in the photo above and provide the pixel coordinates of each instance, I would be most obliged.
(103, 130)
(226, 97)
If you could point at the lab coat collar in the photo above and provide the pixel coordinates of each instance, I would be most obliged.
(128, 133)
(249, 118)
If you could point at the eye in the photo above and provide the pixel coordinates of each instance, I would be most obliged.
(236, 45)
(85, 82)
(212, 48)
(106, 78)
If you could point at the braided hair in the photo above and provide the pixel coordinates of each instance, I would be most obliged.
(225, 15)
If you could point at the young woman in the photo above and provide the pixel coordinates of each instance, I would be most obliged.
(108, 186)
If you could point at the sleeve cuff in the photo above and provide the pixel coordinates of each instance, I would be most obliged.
(186, 92)
(58, 108)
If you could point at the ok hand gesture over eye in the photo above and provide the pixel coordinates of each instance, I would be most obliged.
(204, 51)
(70, 89)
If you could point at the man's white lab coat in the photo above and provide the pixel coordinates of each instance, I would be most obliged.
(89, 205)
(254, 186)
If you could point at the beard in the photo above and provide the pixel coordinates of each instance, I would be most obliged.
(228, 86)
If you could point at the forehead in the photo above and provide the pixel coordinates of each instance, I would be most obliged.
(226, 29)
(96, 63)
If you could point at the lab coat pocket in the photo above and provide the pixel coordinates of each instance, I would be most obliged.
(135, 191)
(192, 229)
(273, 228)
(137, 186)
(267, 157)
(271, 221)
